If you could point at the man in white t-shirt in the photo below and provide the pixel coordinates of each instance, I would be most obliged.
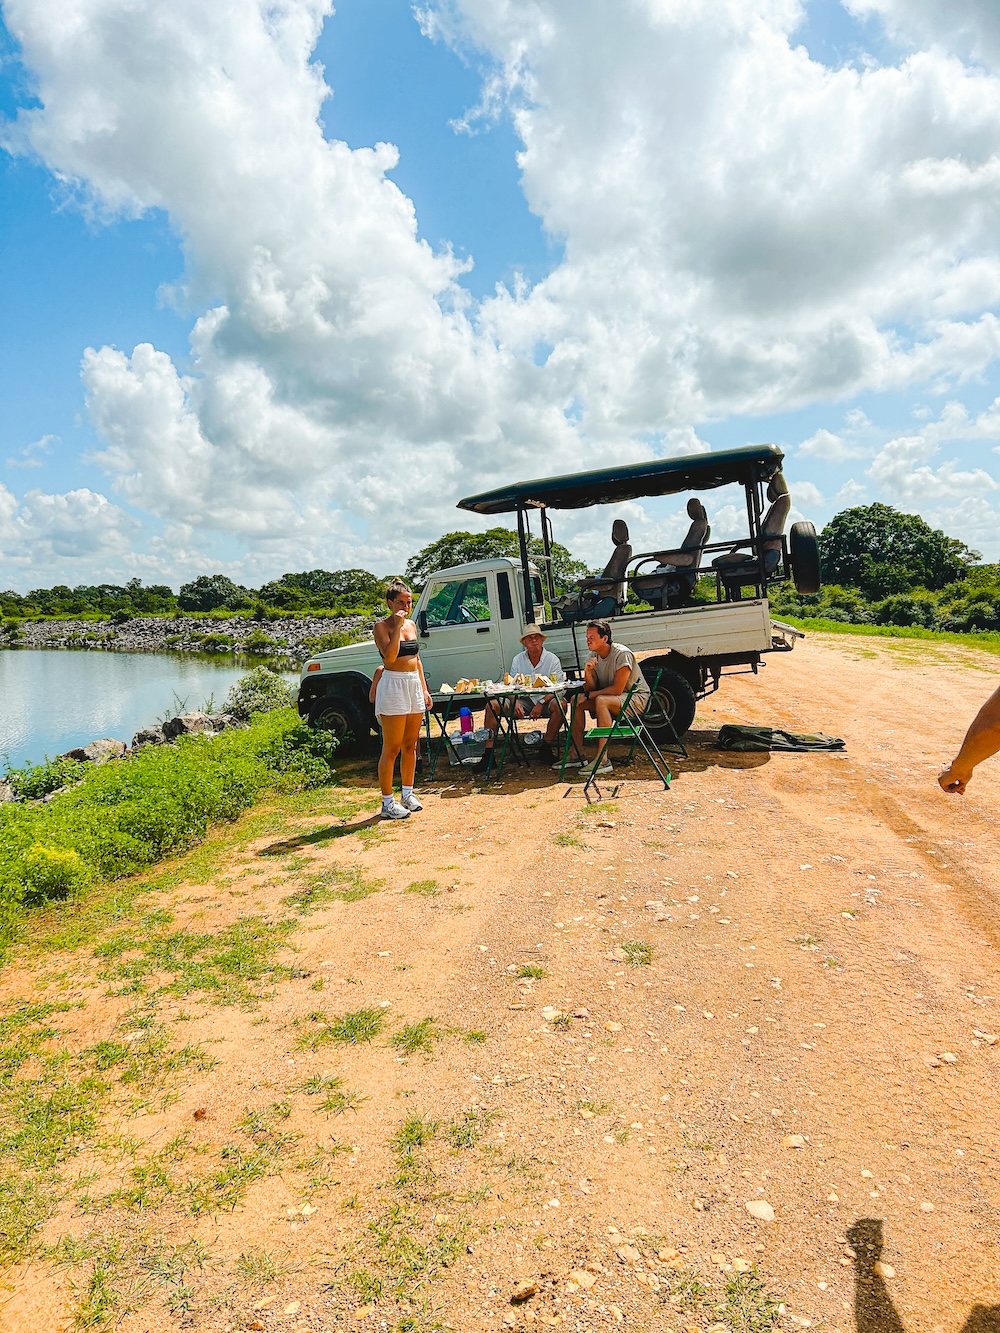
(608, 675)
(534, 660)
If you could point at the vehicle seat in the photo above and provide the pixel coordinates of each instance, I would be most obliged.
(674, 578)
(738, 568)
(605, 594)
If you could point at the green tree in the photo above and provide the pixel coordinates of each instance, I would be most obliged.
(459, 548)
(884, 552)
(323, 588)
(210, 591)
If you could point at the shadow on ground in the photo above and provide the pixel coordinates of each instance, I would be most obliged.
(319, 836)
(874, 1311)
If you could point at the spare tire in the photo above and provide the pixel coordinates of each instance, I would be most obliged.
(803, 548)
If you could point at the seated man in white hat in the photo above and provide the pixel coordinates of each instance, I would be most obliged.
(534, 660)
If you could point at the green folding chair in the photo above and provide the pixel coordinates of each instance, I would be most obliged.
(626, 727)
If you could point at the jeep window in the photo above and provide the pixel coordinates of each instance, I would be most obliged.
(458, 602)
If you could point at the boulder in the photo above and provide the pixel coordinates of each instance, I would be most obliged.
(148, 736)
(6, 792)
(188, 724)
(227, 722)
(97, 752)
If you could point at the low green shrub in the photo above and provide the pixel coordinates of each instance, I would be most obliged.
(258, 642)
(123, 817)
(52, 872)
(305, 751)
(323, 643)
(259, 691)
(34, 781)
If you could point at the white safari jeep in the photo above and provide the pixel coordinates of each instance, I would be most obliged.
(469, 618)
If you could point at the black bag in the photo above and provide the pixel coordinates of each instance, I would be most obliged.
(756, 739)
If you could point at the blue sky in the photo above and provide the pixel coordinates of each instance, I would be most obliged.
(644, 305)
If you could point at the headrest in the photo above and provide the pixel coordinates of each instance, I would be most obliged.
(777, 486)
(619, 532)
(696, 510)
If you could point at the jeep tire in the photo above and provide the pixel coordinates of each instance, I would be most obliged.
(341, 715)
(803, 551)
(673, 702)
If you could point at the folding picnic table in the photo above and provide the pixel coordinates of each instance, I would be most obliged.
(503, 700)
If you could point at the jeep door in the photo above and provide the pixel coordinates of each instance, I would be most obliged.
(463, 631)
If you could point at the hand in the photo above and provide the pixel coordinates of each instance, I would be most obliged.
(428, 701)
(536, 712)
(591, 664)
(400, 615)
(954, 780)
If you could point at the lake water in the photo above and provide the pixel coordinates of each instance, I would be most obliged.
(52, 700)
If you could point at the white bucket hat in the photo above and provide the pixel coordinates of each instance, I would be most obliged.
(531, 629)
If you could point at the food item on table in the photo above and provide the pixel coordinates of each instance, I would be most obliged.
(463, 686)
(447, 689)
(508, 679)
(539, 683)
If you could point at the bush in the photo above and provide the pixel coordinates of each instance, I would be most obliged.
(323, 643)
(258, 642)
(124, 817)
(52, 872)
(259, 691)
(906, 609)
(306, 751)
(34, 781)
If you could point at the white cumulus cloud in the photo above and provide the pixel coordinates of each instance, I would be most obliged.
(745, 231)
(43, 532)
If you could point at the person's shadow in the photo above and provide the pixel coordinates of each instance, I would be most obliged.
(874, 1311)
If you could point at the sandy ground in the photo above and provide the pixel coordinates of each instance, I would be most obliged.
(814, 1031)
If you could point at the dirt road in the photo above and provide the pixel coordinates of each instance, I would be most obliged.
(777, 985)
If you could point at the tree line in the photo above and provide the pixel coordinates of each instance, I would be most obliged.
(880, 566)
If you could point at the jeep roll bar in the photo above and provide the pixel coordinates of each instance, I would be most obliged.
(751, 467)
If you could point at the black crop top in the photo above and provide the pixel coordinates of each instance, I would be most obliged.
(407, 648)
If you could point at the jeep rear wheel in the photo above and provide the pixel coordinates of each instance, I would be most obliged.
(342, 716)
(672, 702)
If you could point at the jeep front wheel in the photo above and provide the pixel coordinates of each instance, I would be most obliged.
(342, 716)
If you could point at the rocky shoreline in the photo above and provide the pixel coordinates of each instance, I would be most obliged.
(291, 638)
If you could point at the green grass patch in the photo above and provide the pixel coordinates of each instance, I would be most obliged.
(427, 888)
(124, 817)
(352, 1029)
(52, 1104)
(259, 1267)
(747, 1305)
(467, 1130)
(413, 1038)
(233, 966)
(340, 884)
(986, 641)
(567, 840)
(638, 953)
(531, 970)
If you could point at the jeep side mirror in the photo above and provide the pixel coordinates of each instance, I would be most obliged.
(422, 624)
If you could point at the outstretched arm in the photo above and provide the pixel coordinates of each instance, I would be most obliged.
(981, 741)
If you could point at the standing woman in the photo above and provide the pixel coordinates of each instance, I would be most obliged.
(401, 696)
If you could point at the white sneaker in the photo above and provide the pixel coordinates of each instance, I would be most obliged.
(395, 811)
(411, 803)
(605, 768)
(570, 763)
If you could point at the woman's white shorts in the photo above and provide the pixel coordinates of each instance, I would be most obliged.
(399, 693)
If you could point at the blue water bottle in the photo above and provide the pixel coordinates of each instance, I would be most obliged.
(465, 720)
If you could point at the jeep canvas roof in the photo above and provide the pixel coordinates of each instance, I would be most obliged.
(662, 476)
